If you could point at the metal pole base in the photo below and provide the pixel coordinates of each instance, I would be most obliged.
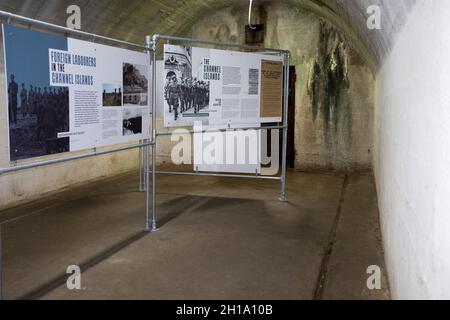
(282, 198)
(151, 230)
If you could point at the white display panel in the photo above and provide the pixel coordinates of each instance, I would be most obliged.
(216, 87)
(67, 95)
(108, 97)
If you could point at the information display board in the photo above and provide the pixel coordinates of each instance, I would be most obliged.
(66, 94)
(220, 87)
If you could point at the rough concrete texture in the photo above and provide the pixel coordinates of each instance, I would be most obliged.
(334, 88)
(134, 19)
(412, 155)
(219, 239)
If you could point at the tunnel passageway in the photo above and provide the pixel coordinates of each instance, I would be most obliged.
(215, 241)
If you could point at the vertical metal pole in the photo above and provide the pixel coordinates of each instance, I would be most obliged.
(146, 160)
(154, 43)
(145, 166)
(145, 151)
(285, 129)
(141, 178)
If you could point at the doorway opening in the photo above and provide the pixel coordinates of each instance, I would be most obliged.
(290, 161)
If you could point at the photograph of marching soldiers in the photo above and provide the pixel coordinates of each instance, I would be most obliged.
(184, 95)
(36, 116)
(135, 85)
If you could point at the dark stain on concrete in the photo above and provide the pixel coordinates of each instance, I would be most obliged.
(329, 83)
(223, 33)
(61, 279)
(328, 250)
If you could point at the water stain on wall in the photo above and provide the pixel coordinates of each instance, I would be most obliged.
(333, 96)
(328, 85)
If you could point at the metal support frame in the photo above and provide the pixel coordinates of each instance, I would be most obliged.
(222, 175)
(142, 145)
(151, 49)
(155, 134)
(287, 57)
(156, 37)
(54, 27)
(141, 174)
(153, 45)
(66, 159)
(219, 130)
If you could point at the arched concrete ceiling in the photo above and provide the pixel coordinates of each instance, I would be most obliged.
(133, 19)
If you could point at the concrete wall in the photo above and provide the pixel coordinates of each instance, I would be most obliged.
(334, 90)
(412, 155)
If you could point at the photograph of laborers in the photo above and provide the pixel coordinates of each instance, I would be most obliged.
(37, 112)
(112, 95)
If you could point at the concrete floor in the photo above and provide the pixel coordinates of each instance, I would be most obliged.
(220, 238)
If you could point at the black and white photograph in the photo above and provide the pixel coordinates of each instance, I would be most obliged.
(132, 121)
(135, 85)
(37, 112)
(112, 95)
(185, 96)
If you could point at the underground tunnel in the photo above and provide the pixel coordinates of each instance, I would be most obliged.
(346, 99)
